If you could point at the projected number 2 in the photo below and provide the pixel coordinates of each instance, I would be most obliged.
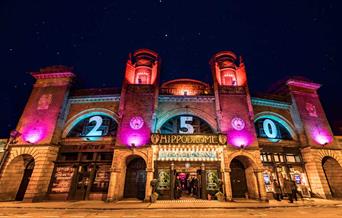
(185, 125)
(98, 122)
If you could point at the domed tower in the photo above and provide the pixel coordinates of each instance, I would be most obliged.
(233, 101)
(229, 71)
(139, 98)
(142, 67)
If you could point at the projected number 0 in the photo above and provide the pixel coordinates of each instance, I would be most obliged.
(98, 122)
(270, 129)
(185, 125)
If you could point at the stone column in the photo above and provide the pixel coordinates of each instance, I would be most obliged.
(112, 194)
(227, 187)
(41, 176)
(315, 173)
(261, 185)
(203, 182)
(148, 190)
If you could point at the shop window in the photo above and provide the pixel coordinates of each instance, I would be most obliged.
(276, 158)
(297, 158)
(87, 156)
(69, 156)
(105, 156)
(290, 158)
(101, 181)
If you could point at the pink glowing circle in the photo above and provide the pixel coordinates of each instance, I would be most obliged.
(136, 122)
(238, 123)
(322, 139)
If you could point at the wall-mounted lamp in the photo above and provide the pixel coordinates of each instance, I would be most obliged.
(132, 145)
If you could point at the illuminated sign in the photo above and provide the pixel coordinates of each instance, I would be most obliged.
(209, 139)
(270, 128)
(185, 125)
(98, 122)
(187, 155)
(238, 123)
(136, 122)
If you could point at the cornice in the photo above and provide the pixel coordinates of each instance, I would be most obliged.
(270, 103)
(52, 75)
(186, 98)
(303, 84)
(92, 99)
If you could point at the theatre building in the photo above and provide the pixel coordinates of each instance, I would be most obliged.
(190, 138)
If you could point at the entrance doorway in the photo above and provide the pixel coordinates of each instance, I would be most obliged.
(135, 182)
(84, 179)
(333, 174)
(238, 179)
(188, 185)
(25, 180)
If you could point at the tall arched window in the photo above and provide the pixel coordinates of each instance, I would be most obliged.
(271, 129)
(93, 126)
(185, 124)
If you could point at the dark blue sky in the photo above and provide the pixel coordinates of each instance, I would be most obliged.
(276, 39)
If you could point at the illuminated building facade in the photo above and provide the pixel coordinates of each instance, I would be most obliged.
(196, 139)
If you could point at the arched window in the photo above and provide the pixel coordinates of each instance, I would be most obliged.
(185, 124)
(93, 126)
(271, 129)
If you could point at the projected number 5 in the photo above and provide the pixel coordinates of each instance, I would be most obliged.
(185, 124)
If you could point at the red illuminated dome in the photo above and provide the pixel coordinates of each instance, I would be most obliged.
(185, 87)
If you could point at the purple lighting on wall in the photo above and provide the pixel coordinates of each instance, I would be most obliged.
(33, 135)
(240, 139)
(322, 137)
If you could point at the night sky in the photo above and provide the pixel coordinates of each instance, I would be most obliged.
(276, 39)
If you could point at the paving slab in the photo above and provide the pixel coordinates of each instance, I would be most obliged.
(170, 204)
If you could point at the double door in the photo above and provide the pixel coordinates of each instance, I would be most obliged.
(82, 182)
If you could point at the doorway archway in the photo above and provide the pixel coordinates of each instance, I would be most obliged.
(29, 166)
(333, 173)
(135, 181)
(16, 177)
(238, 179)
(243, 179)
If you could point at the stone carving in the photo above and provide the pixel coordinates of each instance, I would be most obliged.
(136, 122)
(238, 123)
(311, 109)
(44, 102)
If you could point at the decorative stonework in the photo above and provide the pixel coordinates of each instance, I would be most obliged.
(186, 98)
(44, 102)
(270, 103)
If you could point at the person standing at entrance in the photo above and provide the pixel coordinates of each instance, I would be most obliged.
(294, 190)
(288, 190)
(277, 191)
(178, 188)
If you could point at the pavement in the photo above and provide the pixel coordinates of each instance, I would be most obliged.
(170, 204)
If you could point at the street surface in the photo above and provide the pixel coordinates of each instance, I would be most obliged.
(295, 212)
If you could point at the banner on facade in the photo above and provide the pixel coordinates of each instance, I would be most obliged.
(175, 139)
(187, 155)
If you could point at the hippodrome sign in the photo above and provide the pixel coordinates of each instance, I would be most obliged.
(175, 139)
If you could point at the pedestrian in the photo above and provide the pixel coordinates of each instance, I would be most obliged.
(288, 190)
(277, 190)
(178, 186)
(294, 190)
